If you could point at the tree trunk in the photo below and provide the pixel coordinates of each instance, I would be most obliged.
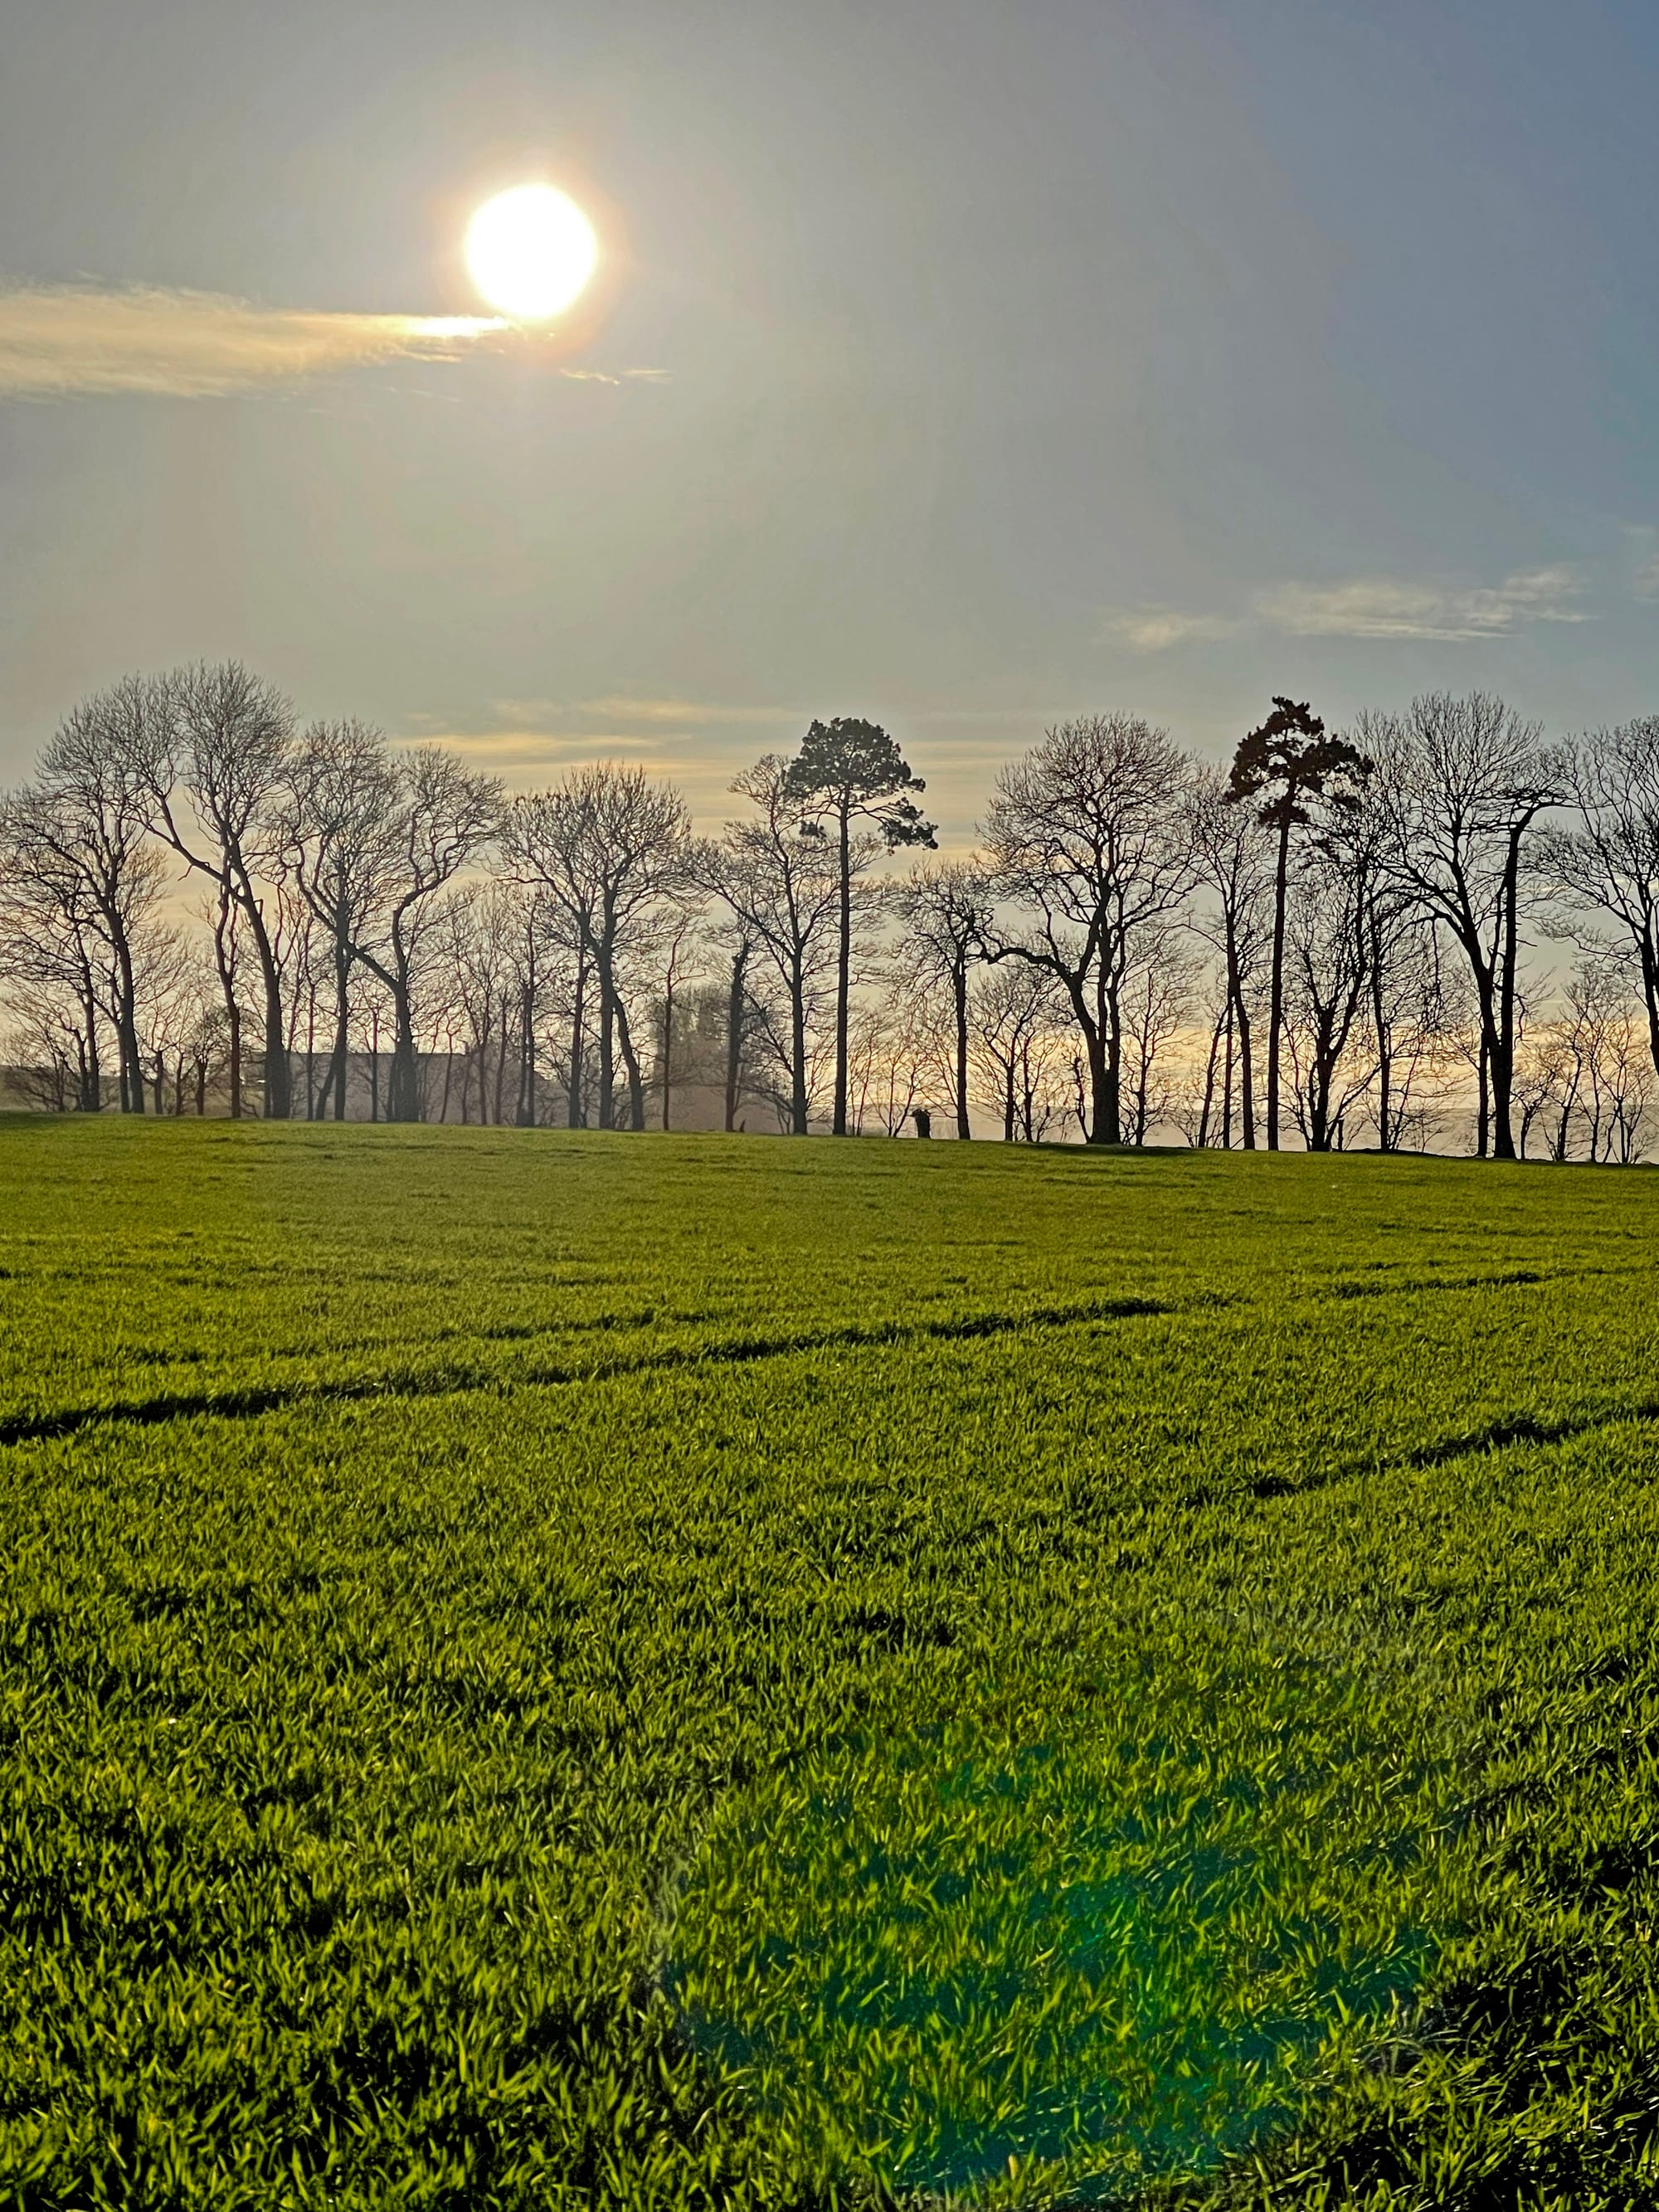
(402, 1088)
(668, 1049)
(1241, 1026)
(734, 1006)
(576, 1110)
(1209, 1083)
(126, 998)
(1227, 1086)
(959, 983)
(1650, 994)
(526, 1112)
(1276, 1000)
(1483, 1117)
(342, 1053)
(278, 1104)
(843, 964)
(1103, 1127)
(1384, 1053)
(607, 1053)
(1112, 1042)
(798, 1050)
(630, 1058)
(92, 1073)
(1503, 1058)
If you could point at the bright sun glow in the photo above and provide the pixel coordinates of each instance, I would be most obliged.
(531, 252)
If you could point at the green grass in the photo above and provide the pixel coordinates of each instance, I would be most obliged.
(557, 1671)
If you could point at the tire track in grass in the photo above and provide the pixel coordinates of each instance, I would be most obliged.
(1526, 1429)
(455, 1380)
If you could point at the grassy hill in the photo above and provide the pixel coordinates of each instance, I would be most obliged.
(549, 1670)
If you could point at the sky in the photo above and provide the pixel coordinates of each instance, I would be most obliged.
(959, 365)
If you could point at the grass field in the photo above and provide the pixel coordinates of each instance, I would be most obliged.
(550, 1670)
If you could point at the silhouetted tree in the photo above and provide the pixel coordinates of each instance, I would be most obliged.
(1157, 999)
(783, 888)
(1016, 1014)
(737, 1023)
(1091, 833)
(607, 845)
(79, 839)
(1233, 861)
(1461, 783)
(944, 911)
(445, 815)
(1604, 864)
(222, 737)
(1292, 760)
(336, 818)
(849, 770)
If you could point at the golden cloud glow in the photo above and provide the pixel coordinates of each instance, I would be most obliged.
(57, 340)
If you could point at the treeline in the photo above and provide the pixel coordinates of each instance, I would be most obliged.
(1433, 927)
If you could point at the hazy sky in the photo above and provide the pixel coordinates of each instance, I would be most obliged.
(1005, 362)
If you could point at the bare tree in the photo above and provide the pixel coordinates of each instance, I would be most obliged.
(739, 1020)
(166, 999)
(541, 970)
(893, 1054)
(445, 816)
(205, 1056)
(1233, 862)
(783, 891)
(1607, 1077)
(45, 1050)
(1605, 861)
(79, 841)
(1539, 1074)
(56, 961)
(336, 818)
(222, 737)
(607, 845)
(477, 935)
(1019, 1068)
(680, 949)
(1327, 955)
(1413, 1021)
(1090, 835)
(945, 912)
(1158, 1000)
(1462, 783)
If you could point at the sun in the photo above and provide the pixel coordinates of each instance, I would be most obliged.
(531, 252)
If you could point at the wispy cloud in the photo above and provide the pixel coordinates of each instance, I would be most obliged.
(1373, 607)
(616, 375)
(642, 714)
(58, 340)
(199, 344)
(529, 760)
(1384, 606)
(501, 749)
(1154, 630)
